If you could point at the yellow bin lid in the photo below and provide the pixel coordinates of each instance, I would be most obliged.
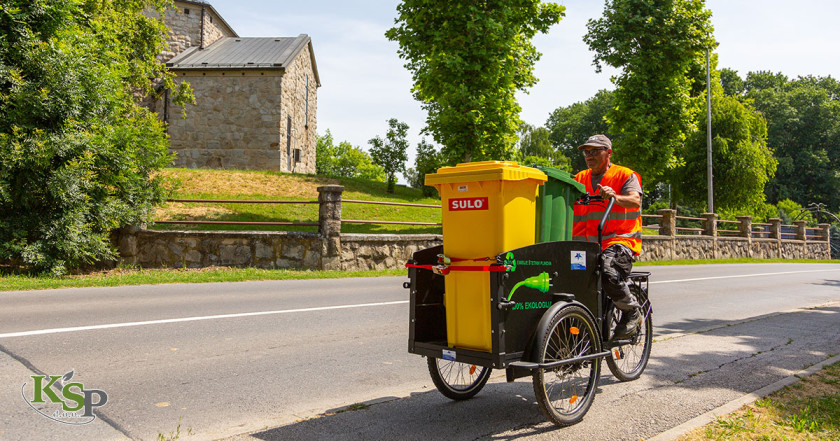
(484, 171)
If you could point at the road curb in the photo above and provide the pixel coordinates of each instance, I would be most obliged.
(712, 415)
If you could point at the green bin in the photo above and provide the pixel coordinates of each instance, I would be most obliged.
(555, 205)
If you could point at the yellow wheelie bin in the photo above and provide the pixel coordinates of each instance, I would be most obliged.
(487, 208)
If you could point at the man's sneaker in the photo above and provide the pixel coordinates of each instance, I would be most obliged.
(628, 326)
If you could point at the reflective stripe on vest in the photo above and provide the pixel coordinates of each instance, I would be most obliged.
(627, 222)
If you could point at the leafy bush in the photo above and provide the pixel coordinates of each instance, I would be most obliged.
(428, 160)
(77, 154)
(390, 153)
(344, 160)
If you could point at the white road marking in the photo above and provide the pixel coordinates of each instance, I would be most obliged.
(743, 275)
(323, 308)
(191, 319)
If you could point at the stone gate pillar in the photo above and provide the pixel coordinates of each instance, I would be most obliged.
(800, 229)
(668, 224)
(745, 226)
(775, 228)
(710, 224)
(329, 225)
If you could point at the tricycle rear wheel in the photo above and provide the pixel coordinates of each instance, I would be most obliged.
(627, 362)
(456, 380)
(566, 392)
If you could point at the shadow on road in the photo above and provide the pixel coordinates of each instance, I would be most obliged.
(428, 415)
(686, 376)
(835, 283)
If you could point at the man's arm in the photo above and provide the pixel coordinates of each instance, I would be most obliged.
(632, 200)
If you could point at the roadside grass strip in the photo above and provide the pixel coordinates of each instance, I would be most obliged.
(125, 277)
(806, 410)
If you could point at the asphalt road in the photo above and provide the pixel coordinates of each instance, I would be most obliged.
(266, 358)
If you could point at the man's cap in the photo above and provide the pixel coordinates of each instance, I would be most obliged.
(597, 141)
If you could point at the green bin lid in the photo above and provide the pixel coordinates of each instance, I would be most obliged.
(563, 176)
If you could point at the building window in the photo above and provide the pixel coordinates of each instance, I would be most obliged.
(186, 11)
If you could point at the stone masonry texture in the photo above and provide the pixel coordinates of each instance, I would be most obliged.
(194, 249)
(240, 118)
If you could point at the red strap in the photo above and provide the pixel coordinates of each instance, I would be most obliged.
(444, 270)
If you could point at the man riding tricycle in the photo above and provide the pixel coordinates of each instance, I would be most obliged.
(503, 293)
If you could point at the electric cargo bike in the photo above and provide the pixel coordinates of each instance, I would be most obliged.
(549, 319)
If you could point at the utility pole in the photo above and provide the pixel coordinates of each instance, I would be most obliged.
(709, 180)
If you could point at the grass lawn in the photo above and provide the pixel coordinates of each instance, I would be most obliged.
(807, 410)
(264, 185)
(124, 276)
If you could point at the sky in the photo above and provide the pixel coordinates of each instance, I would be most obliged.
(364, 83)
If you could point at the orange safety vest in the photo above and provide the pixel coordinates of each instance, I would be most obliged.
(623, 226)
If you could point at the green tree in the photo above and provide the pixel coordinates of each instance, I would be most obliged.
(428, 160)
(344, 160)
(732, 84)
(658, 45)
(742, 162)
(804, 131)
(467, 60)
(391, 153)
(570, 126)
(534, 148)
(324, 154)
(533, 141)
(77, 154)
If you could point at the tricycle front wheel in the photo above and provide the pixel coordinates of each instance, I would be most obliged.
(456, 380)
(565, 392)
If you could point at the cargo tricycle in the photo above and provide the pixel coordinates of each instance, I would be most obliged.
(536, 310)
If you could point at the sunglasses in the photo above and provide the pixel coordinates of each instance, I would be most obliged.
(592, 152)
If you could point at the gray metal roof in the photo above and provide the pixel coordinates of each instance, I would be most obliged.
(242, 53)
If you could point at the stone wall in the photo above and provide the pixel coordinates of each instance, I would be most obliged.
(271, 250)
(707, 247)
(332, 250)
(240, 117)
(197, 249)
(184, 23)
(359, 252)
(300, 103)
(234, 123)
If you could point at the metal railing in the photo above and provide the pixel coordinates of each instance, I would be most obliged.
(669, 224)
(398, 204)
(298, 224)
(665, 222)
(237, 201)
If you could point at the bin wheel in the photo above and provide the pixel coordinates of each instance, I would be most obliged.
(566, 392)
(456, 380)
(627, 362)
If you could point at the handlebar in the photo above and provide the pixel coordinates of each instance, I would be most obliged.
(588, 199)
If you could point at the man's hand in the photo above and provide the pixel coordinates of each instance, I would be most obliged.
(606, 192)
(630, 201)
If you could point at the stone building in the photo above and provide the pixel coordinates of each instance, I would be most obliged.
(256, 98)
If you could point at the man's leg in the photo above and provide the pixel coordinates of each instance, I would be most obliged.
(618, 262)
